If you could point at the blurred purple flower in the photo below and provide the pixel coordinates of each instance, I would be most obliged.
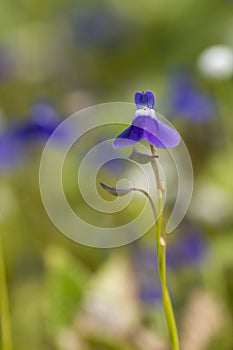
(188, 250)
(188, 102)
(11, 151)
(146, 126)
(115, 166)
(16, 140)
(43, 119)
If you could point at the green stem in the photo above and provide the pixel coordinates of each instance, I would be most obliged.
(161, 255)
(4, 306)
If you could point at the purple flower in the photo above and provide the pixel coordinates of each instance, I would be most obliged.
(186, 252)
(146, 126)
(43, 120)
(11, 152)
(15, 140)
(188, 102)
(189, 250)
(115, 166)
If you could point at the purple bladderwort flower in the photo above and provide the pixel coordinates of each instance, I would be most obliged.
(146, 126)
(39, 125)
(42, 121)
(11, 152)
(188, 250)
(115, 166)
(186, 101)
(16, 140)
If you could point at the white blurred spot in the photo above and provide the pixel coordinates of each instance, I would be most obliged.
(112, 290)
(203, 319)
(216, 62)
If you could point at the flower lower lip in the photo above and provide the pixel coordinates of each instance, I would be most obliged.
(150, 129)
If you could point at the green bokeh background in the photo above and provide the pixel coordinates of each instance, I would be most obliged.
(52, 53)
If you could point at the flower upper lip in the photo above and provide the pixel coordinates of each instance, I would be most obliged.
(144, 99)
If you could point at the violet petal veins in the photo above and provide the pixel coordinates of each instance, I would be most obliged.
(146, 99)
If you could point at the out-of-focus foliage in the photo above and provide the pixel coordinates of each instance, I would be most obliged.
(73, 54)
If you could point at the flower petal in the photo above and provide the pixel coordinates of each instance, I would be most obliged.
(188, 101)
(43, 113)
(129, 137)
(150, 99)
(139, 100)
(156, 132)
(146, 99)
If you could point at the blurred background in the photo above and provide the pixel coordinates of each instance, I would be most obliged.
(59, 57)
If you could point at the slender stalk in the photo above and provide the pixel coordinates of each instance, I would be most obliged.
(4, 306)
(160, 238)
(150, 200)
(161, 256)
